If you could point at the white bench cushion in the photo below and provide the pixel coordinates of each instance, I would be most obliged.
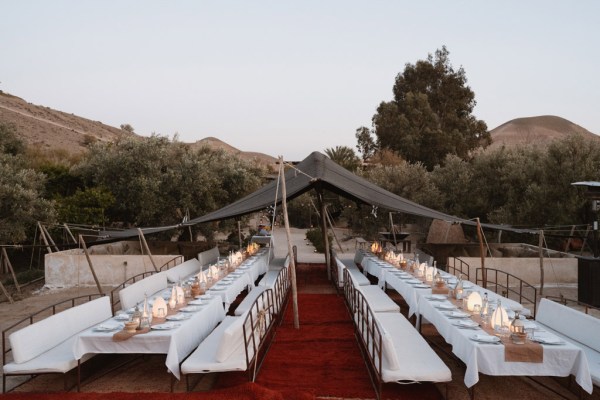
(209, 256)
(574, 324)
(231, 339)
(244, 306)
(203, 359)
(413, 359)
(378, 300)
(42, 336)
(183, 270)
(357, 277)
(269, 279)
(134, 294)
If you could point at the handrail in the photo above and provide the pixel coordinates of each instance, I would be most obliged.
(114, 299)
(73, 302)
(563, 300)
(173, 260)
(460, 268)
(507, 287)
(257, 326)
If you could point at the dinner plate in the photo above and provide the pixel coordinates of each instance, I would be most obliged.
(165, 327)
(178, 317)
(197, 302)
(421, 286)
(548, 340)
(437, 297)
(108, 327)
(415, 281)
(122, 317)
(456, 314)
(467, 323)
(448, 306)
(189, 309)
(484, 338)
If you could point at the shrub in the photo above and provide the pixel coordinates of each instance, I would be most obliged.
(316, 238)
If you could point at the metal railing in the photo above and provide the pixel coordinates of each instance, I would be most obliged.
(506, 284)
(175, 261)
(458, 267)
(114, 298)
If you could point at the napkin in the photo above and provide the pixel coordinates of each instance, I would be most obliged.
(485, 338)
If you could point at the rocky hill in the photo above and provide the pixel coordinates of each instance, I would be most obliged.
(48, 129)
(539, 131)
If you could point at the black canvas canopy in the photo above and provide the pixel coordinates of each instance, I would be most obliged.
(320, 173)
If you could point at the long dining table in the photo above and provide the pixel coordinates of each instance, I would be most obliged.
(481, 351)
(182, 332)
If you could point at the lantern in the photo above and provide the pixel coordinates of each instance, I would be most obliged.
(499, 320)
(473, 299)
(173, 298)
(159, 308)
(180, 295)
(136, 317)
(145, 318)
(429, 274)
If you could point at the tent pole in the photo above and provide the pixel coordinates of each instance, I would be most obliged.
(239, 224)
(70, 233)
(481, 251)
(89, 260)
(43, 236)
(147, 249)
(324, 231)
(10, 267)
(50, 238)
(541, 244)
(289, 242)
(333, 230)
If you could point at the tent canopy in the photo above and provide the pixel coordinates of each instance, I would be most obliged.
(320, 173)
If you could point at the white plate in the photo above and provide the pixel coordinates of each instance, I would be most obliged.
(165, 327)
(445, 307)
(414, 281)
(437, 297)
(548, 340)
(467, 323)
(108, 327)
(197, 302)
(456, 314)
(178, 317)
(484, 338)
(421, 286)
(122, 317)
(189, 309)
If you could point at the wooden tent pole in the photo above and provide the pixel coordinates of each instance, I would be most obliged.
(50, 238)
(541, 247)
(89, 260)
(324, 232)
(10, 267)
(70, 233)
(239, 224)
(333, 230)
(569, 239)
(10, 299)
(289, 242)
(481, 251)
(147, 249)
(43, 236)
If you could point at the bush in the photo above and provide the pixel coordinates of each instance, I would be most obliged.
(316, 238)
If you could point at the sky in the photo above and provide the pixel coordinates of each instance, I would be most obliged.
(288, 78)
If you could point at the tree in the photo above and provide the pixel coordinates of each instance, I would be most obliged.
(365, 143)
(127, 128)
(344, 156)
(21, 191)
(431, 114)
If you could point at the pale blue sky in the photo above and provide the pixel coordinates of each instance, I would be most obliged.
(287, 78)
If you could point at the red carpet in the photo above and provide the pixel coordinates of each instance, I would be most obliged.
(322, 357)
(246, 391)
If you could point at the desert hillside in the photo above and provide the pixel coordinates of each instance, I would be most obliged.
(541, 130)
(48, 129)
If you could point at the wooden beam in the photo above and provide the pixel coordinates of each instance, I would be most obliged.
(89, 260)
(541, 247)
(10, 267)
(145, 244)
(70, 233)
(10, 299)
(50, 238)
(43, 236)
(323, 224)
(290, 249)
(333, 230)
(482, 252)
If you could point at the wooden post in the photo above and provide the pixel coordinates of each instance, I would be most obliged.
(289, 242)
(481, 251)
(333, 230)
(89, 260)
(324, 232)
(10, 267)
(393, 231)
(145, 244)
(43, 235)
(10, 299)
(50, 238)
(239, 223)
(568, 244)
(541, 247)
(70, 233)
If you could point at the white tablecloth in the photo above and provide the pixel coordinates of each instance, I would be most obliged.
(559, 360)
(175, 343)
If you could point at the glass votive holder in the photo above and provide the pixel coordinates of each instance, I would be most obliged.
(476, 309)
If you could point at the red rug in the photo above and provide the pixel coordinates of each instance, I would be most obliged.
(245, 391)
(322, 357)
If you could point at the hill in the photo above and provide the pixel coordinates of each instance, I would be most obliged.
(49, 129)
(541, 130)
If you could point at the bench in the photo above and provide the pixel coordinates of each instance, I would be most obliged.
(239, 343)
(134, 294)
(46, 346)
(183, 270)
(582, 330)
(209, 256)
(280, 287)
(378, 300)
(395, 351)
(349, 265)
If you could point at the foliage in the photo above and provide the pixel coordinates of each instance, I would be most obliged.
(127, 128)
(366, 144)
(344, 156)
(316, 238)
(431, 114)
(10, 143)
(21, 198)
(86, 206)
(153, 180)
